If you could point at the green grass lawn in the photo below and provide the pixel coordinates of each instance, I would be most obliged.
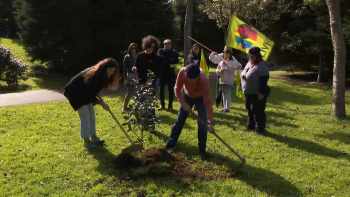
(305, 154)
(36, 82)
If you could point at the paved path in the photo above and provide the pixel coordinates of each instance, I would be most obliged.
(44, 96)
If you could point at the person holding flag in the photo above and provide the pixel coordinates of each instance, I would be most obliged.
(226, 71)
(216, 59)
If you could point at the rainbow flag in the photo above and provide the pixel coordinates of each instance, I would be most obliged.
(204, 65)
(243, 37)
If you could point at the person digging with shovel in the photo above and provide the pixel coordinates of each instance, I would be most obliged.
(82, 91)
(192, 88)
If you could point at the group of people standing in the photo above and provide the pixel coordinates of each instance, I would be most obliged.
(190, 85)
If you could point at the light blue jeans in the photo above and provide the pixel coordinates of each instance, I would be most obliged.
(87, 121)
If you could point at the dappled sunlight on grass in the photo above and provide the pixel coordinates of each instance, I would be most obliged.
(305, 153)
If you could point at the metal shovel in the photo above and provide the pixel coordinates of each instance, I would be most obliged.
(130, 149)
(216, 135)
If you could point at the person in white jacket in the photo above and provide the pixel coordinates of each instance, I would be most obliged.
(226, 71)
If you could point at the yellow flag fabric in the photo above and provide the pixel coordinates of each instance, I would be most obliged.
(204, 65)
(242, 37)
(238, 80)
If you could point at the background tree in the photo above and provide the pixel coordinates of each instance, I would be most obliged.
(73, 35)
(188, 29)
(338, 103)
(8, 26)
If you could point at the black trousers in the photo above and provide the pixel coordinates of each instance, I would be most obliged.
(218, 93)
(171, 85)
(256, 112)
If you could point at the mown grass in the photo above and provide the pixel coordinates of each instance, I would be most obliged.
(305, 154)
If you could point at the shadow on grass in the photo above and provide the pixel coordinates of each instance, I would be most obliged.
(279, 95)
(106, 160)
(231, 121)
(261, 179)
(308, 146)
(342, 137)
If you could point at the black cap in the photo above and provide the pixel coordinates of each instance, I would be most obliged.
(254, 51)
(192, 71)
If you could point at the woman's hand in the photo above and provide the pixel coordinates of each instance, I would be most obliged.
(260, 97)
(126, 82)
(239, 88)
(149, 82)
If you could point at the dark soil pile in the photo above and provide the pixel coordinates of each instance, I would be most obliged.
(178, 166)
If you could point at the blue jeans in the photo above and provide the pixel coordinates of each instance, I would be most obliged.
(181, 119)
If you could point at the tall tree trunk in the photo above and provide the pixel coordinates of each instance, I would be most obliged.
(338, 103)
(188, 30)
(222, 23)
(320, 68)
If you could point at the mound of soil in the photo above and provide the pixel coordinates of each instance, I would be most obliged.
(155, 155)
(177, 166)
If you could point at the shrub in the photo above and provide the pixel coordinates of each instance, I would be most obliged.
(140, 116)
(11, 68)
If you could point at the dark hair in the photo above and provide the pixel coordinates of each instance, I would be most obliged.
(192, 54)
(131, 45)
(258, 59)
(230, 52)
(148, 41)
(99, 73)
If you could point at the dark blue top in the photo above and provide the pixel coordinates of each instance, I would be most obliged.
(170, 57)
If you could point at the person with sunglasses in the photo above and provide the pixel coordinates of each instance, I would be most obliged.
(254, 78)
(128, 75)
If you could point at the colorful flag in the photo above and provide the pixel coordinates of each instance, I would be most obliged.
(204, 65)
(242, 37)
(238, 80)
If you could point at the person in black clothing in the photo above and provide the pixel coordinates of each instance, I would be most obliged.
(167, 74)
(254, 78)
(148, 60)
(82, 92)
(195, 55)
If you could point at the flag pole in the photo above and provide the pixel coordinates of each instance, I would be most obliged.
(200, 44)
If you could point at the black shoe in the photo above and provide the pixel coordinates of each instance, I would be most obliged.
(167, 147)
(259, 133)
(204, 155)
(222, 111)
(247, 129)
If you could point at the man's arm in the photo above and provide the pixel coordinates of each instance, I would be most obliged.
(208, 101)
(179, 85)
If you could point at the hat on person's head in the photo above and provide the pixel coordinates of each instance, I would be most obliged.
(228, 49)
(192, 71)
(254, 51)
(167, 41)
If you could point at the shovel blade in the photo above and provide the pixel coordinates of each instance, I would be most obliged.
(132, 149)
